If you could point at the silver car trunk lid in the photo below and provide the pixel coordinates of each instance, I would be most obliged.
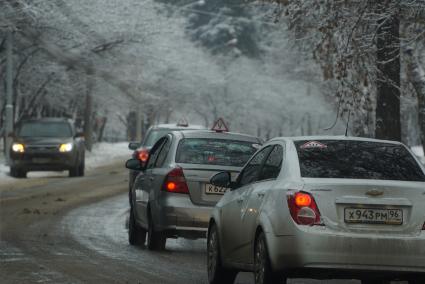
(395, 207)
(198, 178)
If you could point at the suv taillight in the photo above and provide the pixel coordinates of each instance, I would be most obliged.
(175, 181)
(143, 155)
(303, 209)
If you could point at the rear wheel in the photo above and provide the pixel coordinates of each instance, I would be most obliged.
(216, 272)
(136, 234)
(156, 240)
(263, 273)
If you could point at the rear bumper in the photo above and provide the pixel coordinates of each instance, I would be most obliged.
(179, 217)
(44, 161)
(319, 249)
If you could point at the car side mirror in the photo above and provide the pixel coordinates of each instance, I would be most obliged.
(79, 135)
(222, 179)
(133, 145)
(135, 164)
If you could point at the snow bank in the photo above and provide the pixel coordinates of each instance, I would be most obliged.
(102, 153)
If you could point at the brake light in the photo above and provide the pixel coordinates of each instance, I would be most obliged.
(175, 181)
(143, 155)
(303, 209)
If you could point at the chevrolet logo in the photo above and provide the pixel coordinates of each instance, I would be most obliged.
(374, 192)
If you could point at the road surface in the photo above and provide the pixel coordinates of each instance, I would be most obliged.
(56, 229)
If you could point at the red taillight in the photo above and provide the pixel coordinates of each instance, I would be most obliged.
(303, 209)
(175, 182)
(143, 155)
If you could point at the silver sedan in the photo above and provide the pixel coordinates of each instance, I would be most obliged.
(321, 207)
(172, 197)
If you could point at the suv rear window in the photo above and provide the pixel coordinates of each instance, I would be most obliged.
(45, 129)
(207, 151)
(357, 160)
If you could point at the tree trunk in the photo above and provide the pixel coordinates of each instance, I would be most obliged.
(388, 124)
(416, 75)
(88, 125)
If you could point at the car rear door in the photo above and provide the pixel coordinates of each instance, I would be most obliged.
(146, 188)
(232, 227)
(257, 196)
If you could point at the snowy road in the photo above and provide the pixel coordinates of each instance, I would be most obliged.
(61, 230)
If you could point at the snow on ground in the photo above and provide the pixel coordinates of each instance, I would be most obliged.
(102, 153)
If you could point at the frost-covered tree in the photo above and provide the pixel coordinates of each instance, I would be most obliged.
(358, 46)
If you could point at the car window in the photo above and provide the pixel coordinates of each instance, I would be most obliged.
(163, 154)
(208, 151)
(153, 154)
(45, 129)
(357, 160)
(273, 164)
(153, 136)
(251, 171)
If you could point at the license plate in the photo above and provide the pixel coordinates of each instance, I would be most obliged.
(40, 160)
(373, 216)
(212, 189)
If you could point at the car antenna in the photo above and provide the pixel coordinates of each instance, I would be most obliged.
(348, 121)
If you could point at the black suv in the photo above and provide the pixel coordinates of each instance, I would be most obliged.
(47, 144)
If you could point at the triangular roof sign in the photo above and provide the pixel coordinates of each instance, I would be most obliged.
(313, 144)
(182, 122)
(220, 126)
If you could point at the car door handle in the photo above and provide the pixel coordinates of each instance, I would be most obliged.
(260, 195)
(239, 200)
(142, 179)
(151, 178)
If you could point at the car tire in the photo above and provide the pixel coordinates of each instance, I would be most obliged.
(81, 168)
(217, 274)
(156, 240)
(136, 234)
(13, 172)
(74, 171)
(263, 273)
(18, 173)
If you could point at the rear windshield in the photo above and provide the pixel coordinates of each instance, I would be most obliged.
(45, 129)
(214, 152)
(357, 160)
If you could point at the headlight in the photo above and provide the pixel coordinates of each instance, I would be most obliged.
(16, 147)
(65, 147)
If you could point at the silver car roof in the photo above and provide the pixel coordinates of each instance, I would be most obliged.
(175, 126)
(217, 135)
(330, 137)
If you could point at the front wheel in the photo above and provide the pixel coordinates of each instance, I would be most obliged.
(18, 173)
(217, 274)
(81, 168)
(263, 273)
